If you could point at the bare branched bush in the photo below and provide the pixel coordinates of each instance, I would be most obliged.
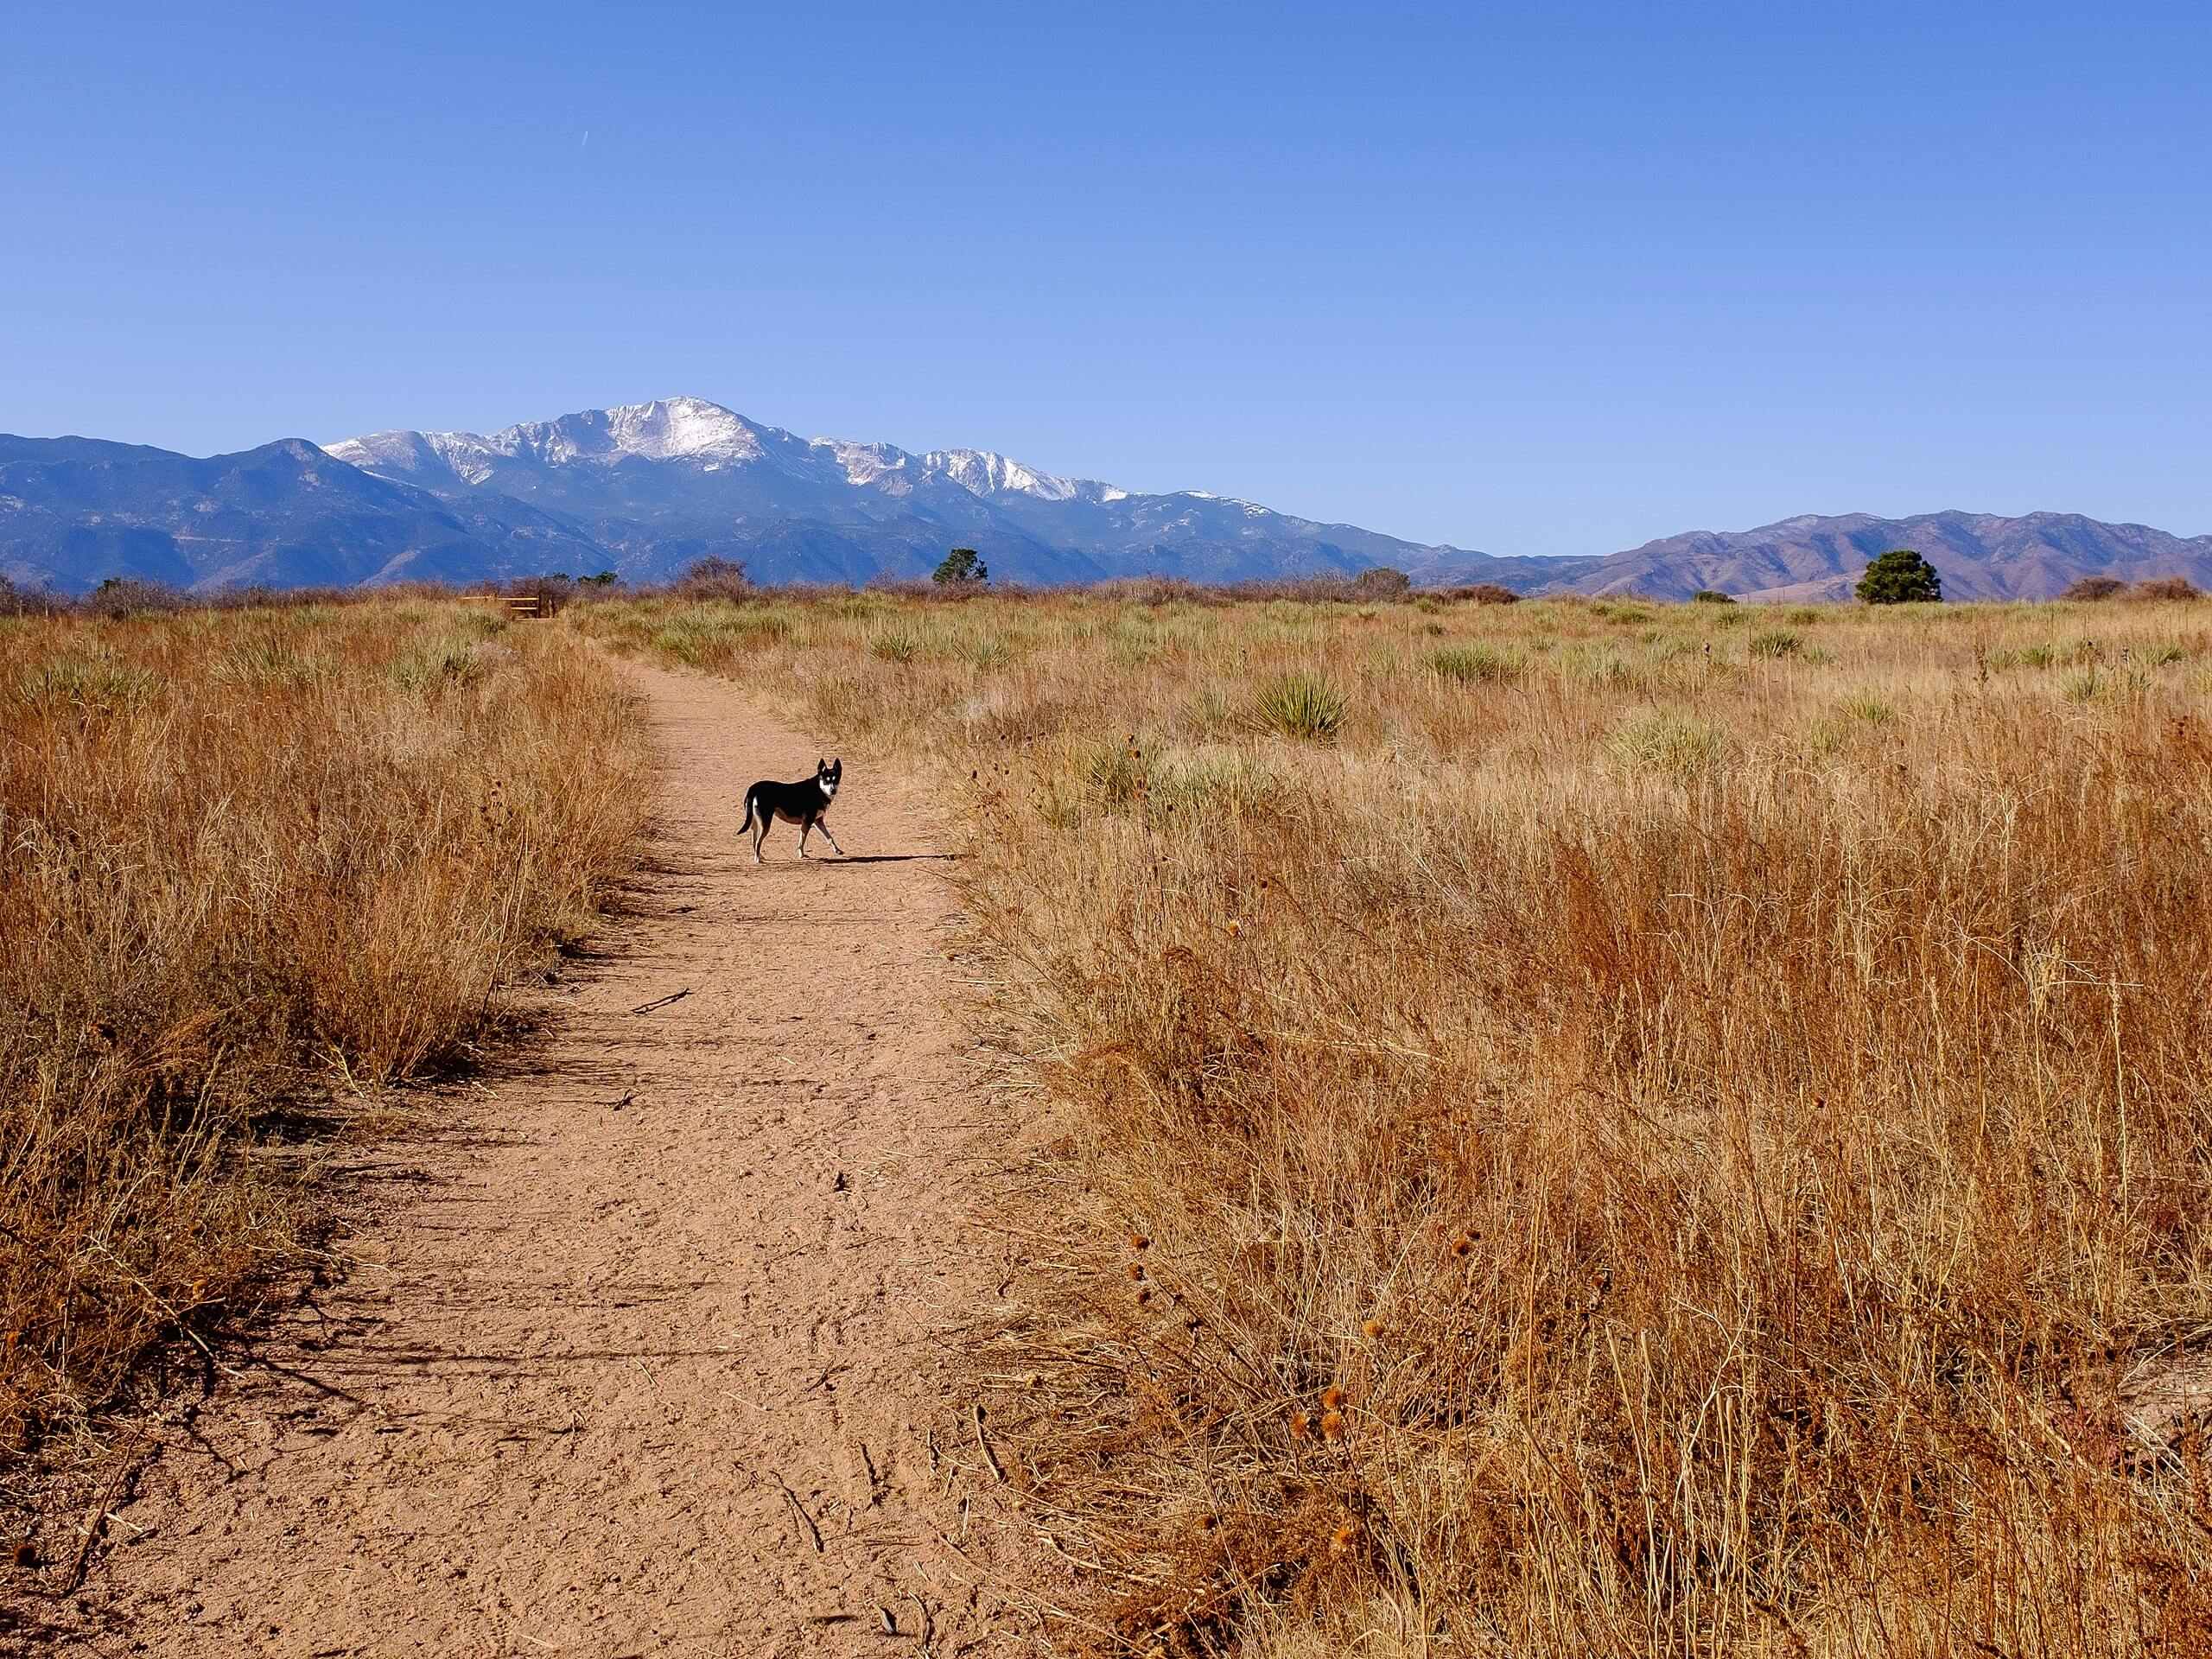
(2093, 588)
(713, 578)
(1482, 593)
(2165, 588)
(16, 600)
(121, 596)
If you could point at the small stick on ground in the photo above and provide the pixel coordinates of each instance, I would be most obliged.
(806, 1520)
(96, 1521)
(983, 1443)
(673, 996)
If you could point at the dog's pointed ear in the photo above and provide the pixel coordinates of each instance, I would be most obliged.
(836, 763)
(820, 764)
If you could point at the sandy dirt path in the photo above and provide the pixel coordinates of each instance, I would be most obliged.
(648, 1353)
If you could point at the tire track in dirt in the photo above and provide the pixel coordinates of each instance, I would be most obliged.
(651, 1351)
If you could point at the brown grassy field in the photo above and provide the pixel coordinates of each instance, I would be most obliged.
(258, 865)
(1582, 1127)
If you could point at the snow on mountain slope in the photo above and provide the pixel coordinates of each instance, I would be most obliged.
(662, 482)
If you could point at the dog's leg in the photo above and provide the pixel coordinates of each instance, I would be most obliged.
(805, 828)
(833, 846)
(760, 834)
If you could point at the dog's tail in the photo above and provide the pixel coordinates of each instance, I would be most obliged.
(746, 827)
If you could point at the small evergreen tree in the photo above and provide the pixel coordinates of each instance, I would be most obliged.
(962, 564)
(1712, 596)
(1900, 576)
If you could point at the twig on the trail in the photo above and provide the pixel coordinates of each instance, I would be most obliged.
(890, 1625)
(812, 1531)
(97, 1519)
(929, 1624)
(675, 996)
(831, 1618)
(983, 1444)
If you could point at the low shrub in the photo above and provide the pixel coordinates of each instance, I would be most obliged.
(1776, 642)
(1475, 664)
(1309, 706)
(2165, 588)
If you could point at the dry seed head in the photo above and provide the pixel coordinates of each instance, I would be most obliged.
(1301, 1426)
(1139, 1241)
(1341, 1540)
(1144, 1295)
(1137, 1270)
(1332, 1398)
(1462, 1245)
(1371, 1329)
(1332, 1426)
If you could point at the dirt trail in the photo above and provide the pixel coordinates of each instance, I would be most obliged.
(648, 1355)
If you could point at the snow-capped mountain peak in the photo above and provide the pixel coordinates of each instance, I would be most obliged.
(668, 429)
(655, 484)
(981, 473)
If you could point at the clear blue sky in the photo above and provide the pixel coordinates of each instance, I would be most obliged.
(1547, 278)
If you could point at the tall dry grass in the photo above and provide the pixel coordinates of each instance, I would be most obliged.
(1584, 1127)
(257, 864)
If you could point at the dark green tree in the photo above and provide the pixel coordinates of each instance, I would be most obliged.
(1712, 596)
(962, 564)
(1900, 576)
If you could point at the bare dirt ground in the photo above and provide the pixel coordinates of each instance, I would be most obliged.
(650, 1352)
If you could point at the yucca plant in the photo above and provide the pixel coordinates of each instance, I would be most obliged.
(1303, 705)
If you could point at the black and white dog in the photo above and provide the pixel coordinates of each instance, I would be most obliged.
(806, 803)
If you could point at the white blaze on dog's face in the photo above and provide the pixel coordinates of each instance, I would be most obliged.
(827, 774)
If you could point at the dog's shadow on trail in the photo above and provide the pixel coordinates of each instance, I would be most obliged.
(893, 858)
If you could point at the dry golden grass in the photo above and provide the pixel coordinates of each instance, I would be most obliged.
(256, 862)
(1585, 1126)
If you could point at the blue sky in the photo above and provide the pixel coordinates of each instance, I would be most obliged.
(1545, 278)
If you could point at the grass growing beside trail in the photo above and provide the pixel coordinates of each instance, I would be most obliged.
(1659, 1135)
(254, 859)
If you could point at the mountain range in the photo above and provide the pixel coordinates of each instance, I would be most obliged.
(646, 489)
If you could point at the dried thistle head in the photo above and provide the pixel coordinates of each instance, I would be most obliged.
(1341, 1539)
(1301, 1426)
(1371, 1329)
(1462, 1245)
(1332, 1397)
(1332, 1426)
